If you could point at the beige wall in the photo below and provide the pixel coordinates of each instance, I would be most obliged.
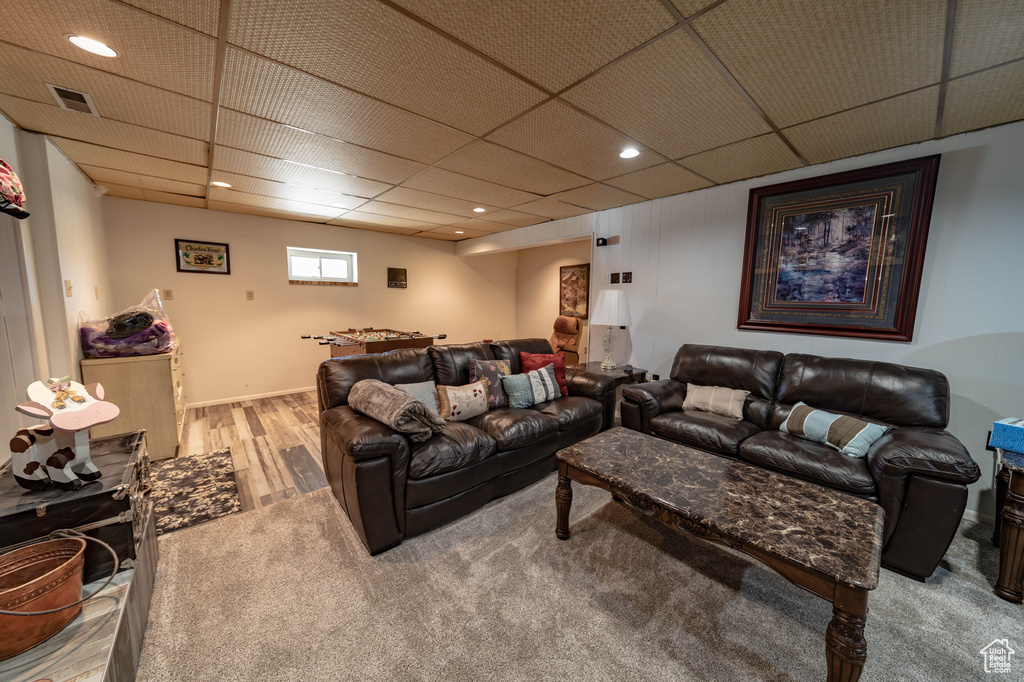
(235, 348)
(537, 287)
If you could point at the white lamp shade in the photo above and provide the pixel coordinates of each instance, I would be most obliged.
(612, 308)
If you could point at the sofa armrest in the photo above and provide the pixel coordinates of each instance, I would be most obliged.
(925, 451)
(643, 402)
(366, 464)
(600, 387)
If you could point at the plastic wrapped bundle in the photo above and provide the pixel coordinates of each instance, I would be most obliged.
(140, 330)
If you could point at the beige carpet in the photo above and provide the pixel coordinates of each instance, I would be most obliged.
(289, 593)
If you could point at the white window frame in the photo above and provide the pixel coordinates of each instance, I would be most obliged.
(323, 254)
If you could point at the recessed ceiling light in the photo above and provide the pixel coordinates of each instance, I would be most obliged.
(459, 232)
(629, 153)
(220, 184)
(479, 210)
(94, 46)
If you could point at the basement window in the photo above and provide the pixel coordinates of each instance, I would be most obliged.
(317, 266)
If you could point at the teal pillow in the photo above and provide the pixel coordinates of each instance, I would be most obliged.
(425, 391)
(531, 388)
(849, 435)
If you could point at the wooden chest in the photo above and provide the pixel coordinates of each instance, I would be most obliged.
(110, 508)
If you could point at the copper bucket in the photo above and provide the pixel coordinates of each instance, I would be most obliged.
(40, 586)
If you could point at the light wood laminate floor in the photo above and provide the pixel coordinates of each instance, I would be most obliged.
(275, 445)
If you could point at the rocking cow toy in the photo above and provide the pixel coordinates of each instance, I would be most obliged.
(59, 451)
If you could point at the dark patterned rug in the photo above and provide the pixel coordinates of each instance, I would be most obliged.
(191, 490)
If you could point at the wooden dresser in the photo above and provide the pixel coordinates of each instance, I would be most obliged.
(149, 390)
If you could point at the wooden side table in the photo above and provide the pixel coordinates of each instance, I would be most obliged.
(618, 373)
(1010, 583)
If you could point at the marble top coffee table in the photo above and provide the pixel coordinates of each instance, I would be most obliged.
(824, 541)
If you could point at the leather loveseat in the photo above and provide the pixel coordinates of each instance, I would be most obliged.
(917, 471)
(392, 488)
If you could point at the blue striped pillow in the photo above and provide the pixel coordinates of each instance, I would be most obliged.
(849, 435)
(536, 386)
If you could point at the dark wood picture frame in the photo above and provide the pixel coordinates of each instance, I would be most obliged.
(188, 260)
(840, 254)
(574, 290)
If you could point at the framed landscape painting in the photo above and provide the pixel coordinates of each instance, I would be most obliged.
(839, 255)
(574, 290)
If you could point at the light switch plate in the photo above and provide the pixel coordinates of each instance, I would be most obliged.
(615, 278)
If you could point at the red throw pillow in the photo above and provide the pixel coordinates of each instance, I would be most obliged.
(532, 361)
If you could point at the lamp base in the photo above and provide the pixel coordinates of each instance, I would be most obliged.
(609, 348)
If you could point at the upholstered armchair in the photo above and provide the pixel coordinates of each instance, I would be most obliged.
(566, 338)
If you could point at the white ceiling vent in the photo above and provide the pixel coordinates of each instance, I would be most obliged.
(73, 100)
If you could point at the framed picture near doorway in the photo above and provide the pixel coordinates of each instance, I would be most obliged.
(574, 290)
(839, 255)
(198, 256)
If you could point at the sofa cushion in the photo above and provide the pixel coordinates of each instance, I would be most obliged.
(515, 428)
(451, 362)
(572, 411)
(532, 361)
(510, 350)
(727, 402)
(849, 435)
(535, 386)
(459, 403)
(458, 446)
(704, 430)
(492, 370)
(809, 461)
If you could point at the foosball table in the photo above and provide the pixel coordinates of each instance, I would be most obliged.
(370, 340)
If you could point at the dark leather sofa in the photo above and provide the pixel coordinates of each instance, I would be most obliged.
(917, 472)
(392, 488)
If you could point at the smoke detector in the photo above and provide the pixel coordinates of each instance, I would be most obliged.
(73, 100)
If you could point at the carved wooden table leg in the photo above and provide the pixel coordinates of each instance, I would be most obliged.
(1002, 485)
(845, 648)
(1010, 582)
(563, 500)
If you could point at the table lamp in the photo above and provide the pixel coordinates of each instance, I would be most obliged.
(612, 309)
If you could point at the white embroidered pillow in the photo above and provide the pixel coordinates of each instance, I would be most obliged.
(727, 402)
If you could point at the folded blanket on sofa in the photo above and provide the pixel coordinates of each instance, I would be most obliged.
(396, 408)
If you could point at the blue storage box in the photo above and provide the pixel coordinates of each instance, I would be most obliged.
(1008, 434)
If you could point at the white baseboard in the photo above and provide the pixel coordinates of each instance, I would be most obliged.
(255, 396)
(977, 517)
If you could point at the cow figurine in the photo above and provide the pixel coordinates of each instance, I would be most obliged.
(59, 451)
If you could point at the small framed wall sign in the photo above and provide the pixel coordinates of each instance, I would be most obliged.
(397, 278)
(198, 256)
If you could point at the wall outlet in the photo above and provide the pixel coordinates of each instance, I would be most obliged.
(67, 288)
(615, 278)
(168, 294)
(249, 295)
(655, 377)
(627, 278)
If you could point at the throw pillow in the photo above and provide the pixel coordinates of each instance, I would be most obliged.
(849, 435)
(531, 361)
(459, 403)
(536, 386)
(724, 401)
(492, 370)
(425, 391)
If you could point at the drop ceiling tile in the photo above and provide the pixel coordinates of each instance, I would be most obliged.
(241, 131)
(659, 181)
(440, 181)
(747, 159)
(565, 137)
(597, 197)
(549, 208)
(146, 44)
(455, 232)
(802, 59)
(355, 43)
(690, 7)
(202, 15)
(233, 196)
(26, 74)
(984, 99)
(988, 32)
(53, 120)
(510, 168)
(274, 91)
(374, 219)
(229, 207)
(83, 153)
(123, 191)
(410, 212)
(484, 226)
(104, 175)
(554, 44)
(281, 190)
(177, 199)
(407, 196)
(269, 168)
(512, 218)
(387, 229)
(670, 97)
(910, 118)
(440, 236)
